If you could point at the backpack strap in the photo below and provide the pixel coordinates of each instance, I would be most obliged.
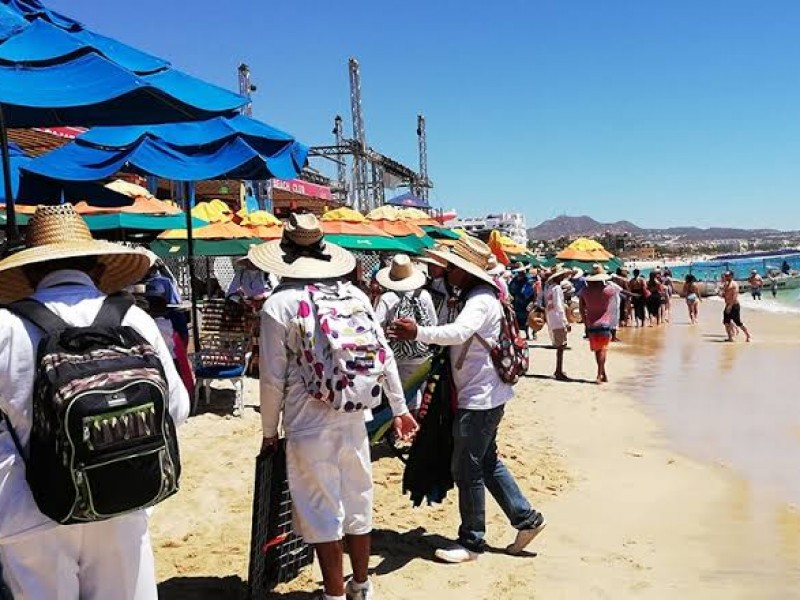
(38, 314)
(113, 311)
(13, 435)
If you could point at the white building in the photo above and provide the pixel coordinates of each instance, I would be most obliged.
(510, 224)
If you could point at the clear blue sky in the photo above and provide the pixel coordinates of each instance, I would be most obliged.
(662, 112)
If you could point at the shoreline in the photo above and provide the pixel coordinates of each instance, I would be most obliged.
(629, 515)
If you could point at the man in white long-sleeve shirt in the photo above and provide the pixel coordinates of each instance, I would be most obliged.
(481, 401)
(40, 558)
(327, 450)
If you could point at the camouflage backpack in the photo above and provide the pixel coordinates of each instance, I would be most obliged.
(102, 442)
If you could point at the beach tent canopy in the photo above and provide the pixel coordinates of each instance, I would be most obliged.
(54, 71)
(586, 250)
(232, 147)
(408, 199)
(32, 190)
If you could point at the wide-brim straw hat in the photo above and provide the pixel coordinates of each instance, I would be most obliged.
(469, 254)
(598, 274)
(401, 275)
(58, 233)
(315, 258)
(560, 272)
(577, 273)
(536, 320)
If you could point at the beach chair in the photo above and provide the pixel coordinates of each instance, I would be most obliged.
(223, 350)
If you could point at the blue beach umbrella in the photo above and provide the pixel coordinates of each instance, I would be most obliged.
(221, 148)
(54, 71)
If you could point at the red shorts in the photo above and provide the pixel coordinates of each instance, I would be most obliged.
(599, 341)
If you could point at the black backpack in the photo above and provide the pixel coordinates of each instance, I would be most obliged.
(102, 442)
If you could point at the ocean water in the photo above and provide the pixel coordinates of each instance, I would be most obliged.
(741, 268)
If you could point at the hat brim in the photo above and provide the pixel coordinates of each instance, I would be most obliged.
(561, 274)
(270, 258)
(463, 264)
(603, 277)
(122, 266)
(430, 260)
(408, 284)
(577, 273)
(498, 270)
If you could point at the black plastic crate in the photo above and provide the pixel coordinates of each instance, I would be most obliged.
(276, 554)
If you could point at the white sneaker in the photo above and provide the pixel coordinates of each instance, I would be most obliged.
(456, 554)
(524, 538)
(353, 591)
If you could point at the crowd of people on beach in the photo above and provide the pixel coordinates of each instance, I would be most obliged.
(94, 381)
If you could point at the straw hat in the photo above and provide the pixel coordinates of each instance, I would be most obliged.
(401, 276)
(559, 272)
(469, 254)
(577, 273)
(598, 273)
(57, 233)
(495, 267)
(302, 253)
(536, 320)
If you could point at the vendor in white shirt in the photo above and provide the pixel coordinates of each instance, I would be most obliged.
(482, 396)
(250, 283)
(68, 272)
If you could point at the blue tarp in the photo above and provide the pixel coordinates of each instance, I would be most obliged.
(408, 200)
(236, 148)
(53, 71)
(30, 189)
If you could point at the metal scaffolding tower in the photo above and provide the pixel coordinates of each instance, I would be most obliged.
(246, 89)
(370, 168)
(423, 184)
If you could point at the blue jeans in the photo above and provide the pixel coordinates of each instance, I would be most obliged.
(476, 468)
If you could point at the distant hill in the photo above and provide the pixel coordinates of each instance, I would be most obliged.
(572, 226)
(576, 226)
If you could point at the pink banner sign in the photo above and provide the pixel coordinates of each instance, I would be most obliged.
(69, 133)
(302, 188)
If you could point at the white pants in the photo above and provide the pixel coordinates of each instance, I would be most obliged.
(94, 561)
(330, 479)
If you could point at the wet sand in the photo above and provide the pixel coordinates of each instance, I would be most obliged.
(643, 497)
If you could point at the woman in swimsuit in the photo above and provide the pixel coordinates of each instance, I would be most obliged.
(692, 293)
(654, 296)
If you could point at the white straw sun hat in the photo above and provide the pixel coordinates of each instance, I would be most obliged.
(58, 233)
(302, 253)
(495, 266)
(469, 254)
(401, 275)
(598, 273)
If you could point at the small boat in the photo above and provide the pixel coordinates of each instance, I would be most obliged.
(783, 281)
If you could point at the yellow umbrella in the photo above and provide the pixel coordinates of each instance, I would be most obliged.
(260, 217)
(344, 214)
(384, 213)
(215, 211)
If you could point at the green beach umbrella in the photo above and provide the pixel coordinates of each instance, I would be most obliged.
(440, 233)
(410, 244)
(142, 222)
(234, 247)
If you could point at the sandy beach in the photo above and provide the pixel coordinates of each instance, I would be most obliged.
(638, 505)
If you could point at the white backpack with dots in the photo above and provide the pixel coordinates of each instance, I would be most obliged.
(342, 359)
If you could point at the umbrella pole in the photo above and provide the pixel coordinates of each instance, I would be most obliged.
(12, 231)
(189, 195)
